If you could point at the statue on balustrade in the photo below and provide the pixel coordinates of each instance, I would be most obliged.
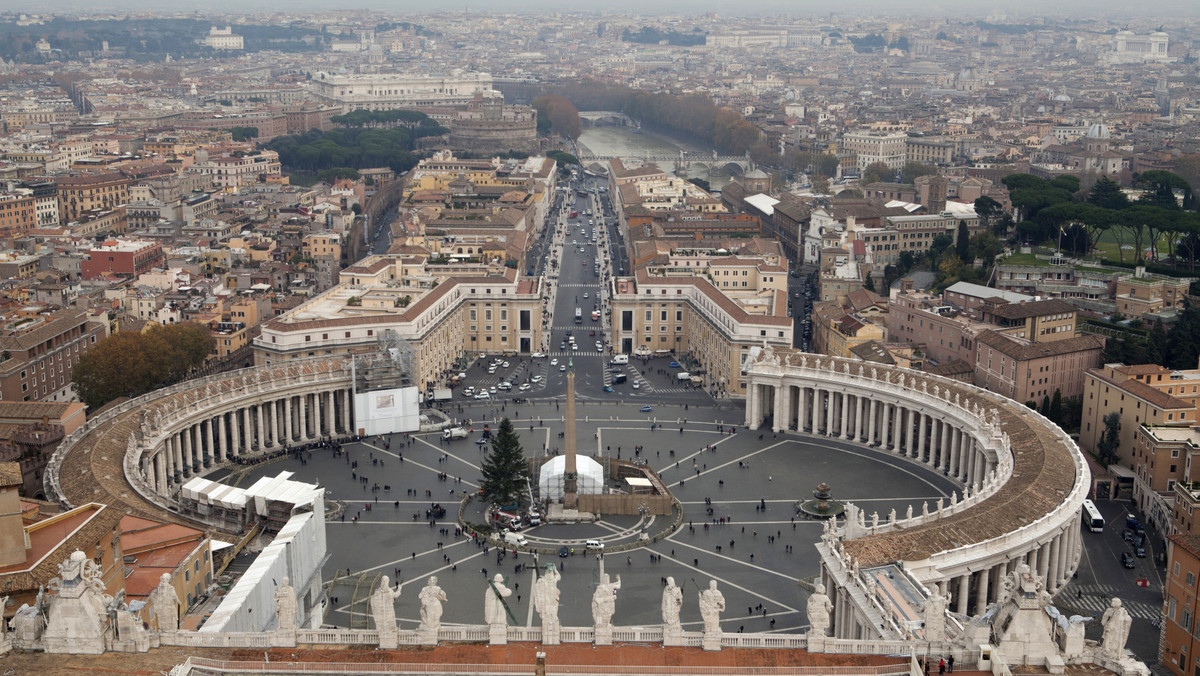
(712, 603)
(383, 605)
(604, 601)
(164, 604)
(432, 597)
(1116, 622)
(546, 596)
(493, 602)
(819, 608)
(672, 602)
(285, 605)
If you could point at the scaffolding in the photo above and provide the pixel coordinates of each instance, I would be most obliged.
(390, 366)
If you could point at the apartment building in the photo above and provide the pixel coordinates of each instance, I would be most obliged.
(690, 314)
(38, 351)
(389, 91)
(500, 313)
(1162, 457)
(97, 192)
(870, 146)
(128, 258)
(1024, 370)
(1179, 645)
(18, 213)
(238, 169)
(1143, 394)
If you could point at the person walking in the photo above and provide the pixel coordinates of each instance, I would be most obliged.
(941, 667)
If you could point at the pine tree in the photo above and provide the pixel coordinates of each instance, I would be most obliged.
(962, 243)
(505, 470)
(1056, 408)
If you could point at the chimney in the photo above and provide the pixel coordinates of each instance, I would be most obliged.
(12, 527)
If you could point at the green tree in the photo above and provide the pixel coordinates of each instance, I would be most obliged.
(1106, 194)
(912, 170)
(820, 184)
(876, 172)
(962, 242)
(563, 116)
(563, 158)
(869, 282)
(906, 261)
(505, 470)
(1160, 189)
(1110, 440)
(1056, 408)
(938, 247)
(701, 183)
(1045, 410)
(131, 364)
(988, 208)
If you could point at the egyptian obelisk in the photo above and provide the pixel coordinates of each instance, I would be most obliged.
(570, 485)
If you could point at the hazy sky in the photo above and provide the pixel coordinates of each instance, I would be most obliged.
(1077, 8)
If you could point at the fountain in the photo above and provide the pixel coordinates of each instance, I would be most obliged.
(822, 506)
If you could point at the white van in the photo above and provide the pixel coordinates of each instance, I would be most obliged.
(511, 538)
(595, 545)
(619, 359)
(683, 375)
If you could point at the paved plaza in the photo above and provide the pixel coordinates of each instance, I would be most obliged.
(753, 479)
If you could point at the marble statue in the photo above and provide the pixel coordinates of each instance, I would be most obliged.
(604, 601)
(1116, 622)
(3, 625)
(892, 516)
(432, 598)
(712, 603)
(934, 614)
(672, 601)
(383, 605)
(285, 605)
(874, 519)
(924, 508)
(78, 621)
(819, 607)
(908, 514)
(493, 602)
(546, 596)
(164, 603)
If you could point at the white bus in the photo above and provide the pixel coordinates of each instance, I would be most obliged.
(1092, 520)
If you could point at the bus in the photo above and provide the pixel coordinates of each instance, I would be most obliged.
(578, 316)
(1092, 519)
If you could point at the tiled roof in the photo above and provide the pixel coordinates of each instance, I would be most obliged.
(1022, 351)
(1038, 308)
(1143, 391)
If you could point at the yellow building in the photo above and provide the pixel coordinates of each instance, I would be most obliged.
(1144, 394)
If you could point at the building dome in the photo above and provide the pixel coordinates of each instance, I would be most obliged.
(1063, 98)
(1098, 131)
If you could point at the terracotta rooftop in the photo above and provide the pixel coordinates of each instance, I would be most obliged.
(1142, 391)
(1023, 351)
(1037, 308)
(521, 656)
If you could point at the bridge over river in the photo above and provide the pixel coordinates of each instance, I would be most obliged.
(684, 163)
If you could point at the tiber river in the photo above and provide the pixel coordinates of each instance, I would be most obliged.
(623, 142)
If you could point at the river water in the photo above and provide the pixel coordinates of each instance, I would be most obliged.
(624, 142)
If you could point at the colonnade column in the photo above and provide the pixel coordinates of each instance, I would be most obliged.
(777, 423)
(235, 431)
(1043, 557)
(188, 460)
(922, 436)
(828, 399)
(1055, 568)
(871, 422)
(981, 590)
(222, 439)
(964, 590)
(160, 470)
(262, 434)
(329, 426)
(858, 418)
(287, 421)
(844, 403)
(947, 437)
(347, 419)
(897, 422)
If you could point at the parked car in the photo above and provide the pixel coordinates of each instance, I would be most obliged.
(1140, 551)
(538, 355)
(674, 365)
(646, 409)
(1127, 560)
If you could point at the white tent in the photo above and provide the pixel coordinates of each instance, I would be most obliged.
(590, 477)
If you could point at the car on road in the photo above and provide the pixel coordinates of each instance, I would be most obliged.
(646, 409)
(1140, 551)
(483, 395)
(504, 365)
(524, 386)
(481, 441)
(637, 386)
(538, 355)
(554, 362)
(535, 379)
(562, 345)
(585, 294)
(563, 552)
(505, 385)
(562, 368)
(1127, 560)
(591, 333)
(674, 364)
(608, 388)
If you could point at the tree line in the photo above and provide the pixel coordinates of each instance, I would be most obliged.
(1155, 226)
(353, 147)
(130, 364)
